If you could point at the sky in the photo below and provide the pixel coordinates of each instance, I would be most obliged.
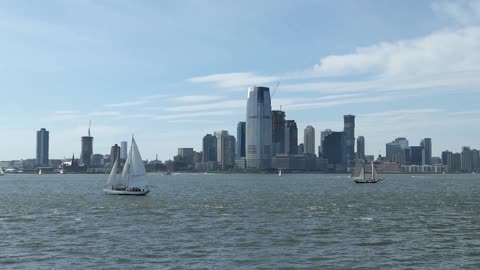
(170, 72)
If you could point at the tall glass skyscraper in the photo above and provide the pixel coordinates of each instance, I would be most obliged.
(349, 138)
(240, 151)
(278, 132)
(259, 128)
(42, 147)
(291, 137)
(309, 140)
(87, 150)
(123, 150)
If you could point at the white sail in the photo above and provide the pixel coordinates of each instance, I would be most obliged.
(1, 171)
(134, 170)
(359, 171)
(113, 178)
(374, 173)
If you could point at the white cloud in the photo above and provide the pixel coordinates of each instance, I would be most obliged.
(235, 80)
(137, 101)
(465, 12)
(194, 115)
(106, 113)
(229, 104)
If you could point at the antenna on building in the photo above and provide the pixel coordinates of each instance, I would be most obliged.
(275, 89)
(89, 125)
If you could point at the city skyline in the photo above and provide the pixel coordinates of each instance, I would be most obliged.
(153, 76)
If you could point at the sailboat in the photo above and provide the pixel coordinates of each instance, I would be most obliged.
(40, 172)
(280, 172)
(359, 174)
(2, 173)
(133, 179)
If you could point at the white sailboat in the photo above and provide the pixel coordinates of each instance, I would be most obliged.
(40, 172)
(359, 174)
(279, 172)
(2, 173)
(133, 179)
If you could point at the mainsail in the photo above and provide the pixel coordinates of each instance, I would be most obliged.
(113, 178)
(133, 173)
(359, 171)
(1, 171)
(374, 173)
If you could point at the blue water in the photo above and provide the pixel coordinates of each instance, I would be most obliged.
(216, 221)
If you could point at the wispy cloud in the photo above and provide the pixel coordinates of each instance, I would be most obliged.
(231, 80)
(229, 104)
(195, 115)
(106, 113)
(136, 101)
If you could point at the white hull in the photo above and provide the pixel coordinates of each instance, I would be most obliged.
(125, 192)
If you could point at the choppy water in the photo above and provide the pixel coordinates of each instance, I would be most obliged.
(241, 221)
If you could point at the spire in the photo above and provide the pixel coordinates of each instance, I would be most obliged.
(89, 125)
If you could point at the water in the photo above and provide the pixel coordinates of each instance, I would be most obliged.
(217, 221)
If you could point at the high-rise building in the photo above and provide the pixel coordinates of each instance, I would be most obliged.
(361, 147)
(123, 150)
(349, 137)
(323, 134)
(416, 155)
(278, 132)
(114, 153)
(186, 154)
(87, 150)
(427, 151)
(309, 140)
(301, 149)
(42, 147)
(403, 142)
(457, 161)
(225, 149)
(332, 148)
(466, 163)
(240, 150)
(291, 137)
(259, 128)
(209, 148)
(391, 149)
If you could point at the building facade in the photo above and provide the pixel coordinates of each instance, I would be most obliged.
(42, 147)
(361, 147)
(240, 148)
(309, 140)
(209, 148)
(278, 132)
(426, 144)
(259, 128)
(123, 150)
(349, 130)
(291, 137)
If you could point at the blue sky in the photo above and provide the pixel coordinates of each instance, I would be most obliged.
(170, 72)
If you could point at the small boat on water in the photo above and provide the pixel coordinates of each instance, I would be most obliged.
(2, 173)
(279, 172)
(40, 172)
(133, 179)
(359, 174)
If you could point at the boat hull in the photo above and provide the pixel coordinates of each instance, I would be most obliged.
(367, 181)
(125, 192)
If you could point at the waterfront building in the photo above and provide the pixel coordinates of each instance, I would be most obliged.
(240, 149)
(291, 137)
(309, 140)
(361, 147)
(114, 154)
(86, 150)
(225, 149)
(466, 164)
(457, 162)
(349, 138)
(333, 148)
(416, 155)
(475, 160)
(278, 132)
(97, 160)
(42, 147)
(301, 149)
(391, 149)
(259, 128)
(186, 154)
(323, 134)
(123, 150)
(426, 144)
(209, 148)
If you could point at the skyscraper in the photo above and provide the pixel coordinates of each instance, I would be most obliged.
(332, 147)
(427, 151)
(225, 149)
(278, 132)
(259, 128)
(209, 148)
(309, 140)
(291, 137)
(416, 155)
(240, 149)
(42, 147)
(349, 138)
(323, 134)
(114, 154)
(123, 150)
(87, 150)
(466, 161)
(361, 147)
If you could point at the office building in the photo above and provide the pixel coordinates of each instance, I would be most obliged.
(259, 128)
(426, 144)
(42, 147)
(114, 154)
(309, 140)
(123, 150)
(209, 148)
(361, 147)
(240, 149)
(291, 137)
(323, 134)
(466, 163)
(301, 149)
(416, 155)
(225, 149)
(186, 154)
(278, 132)
(87, 150)
(349, 137)
(332, 148)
